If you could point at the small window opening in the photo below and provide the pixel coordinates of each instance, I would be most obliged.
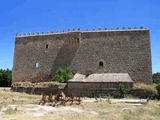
(101, 64)
(36, 65)
(46, 46)
(78, 40)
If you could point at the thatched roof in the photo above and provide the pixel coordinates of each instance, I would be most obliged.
(105, 77)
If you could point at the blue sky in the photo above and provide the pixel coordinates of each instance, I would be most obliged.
(24, 16)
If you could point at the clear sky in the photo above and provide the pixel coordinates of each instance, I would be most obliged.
(24, 16)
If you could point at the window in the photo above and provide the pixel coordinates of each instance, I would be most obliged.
(101, 64)
(46, 46)
(78, 40)
(74, 41)
(36, 65)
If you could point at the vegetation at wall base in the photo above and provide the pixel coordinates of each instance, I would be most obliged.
(5, 78)
(124, 90)
(63, 74)
(148, 87)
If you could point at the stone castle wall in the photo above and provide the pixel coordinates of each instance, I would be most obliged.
(37, 56)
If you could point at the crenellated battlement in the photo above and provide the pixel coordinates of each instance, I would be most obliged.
(79, 30)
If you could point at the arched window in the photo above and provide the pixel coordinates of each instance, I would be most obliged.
(101, 64)
(36, 65)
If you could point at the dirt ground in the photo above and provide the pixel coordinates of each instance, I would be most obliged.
(22, 106)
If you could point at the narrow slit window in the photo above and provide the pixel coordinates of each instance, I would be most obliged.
(36, 65)
(78, 40)
(46, 46)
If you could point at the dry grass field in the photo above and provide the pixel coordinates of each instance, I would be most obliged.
(22, 106)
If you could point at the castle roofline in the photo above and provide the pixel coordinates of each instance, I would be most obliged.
(79, 31)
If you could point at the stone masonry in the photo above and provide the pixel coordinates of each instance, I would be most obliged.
(37, 56)
(96, 84)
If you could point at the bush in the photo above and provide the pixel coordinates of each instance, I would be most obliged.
(63, 74)
(124, 90)
(156, 80)
(156, 77)
(5, 78)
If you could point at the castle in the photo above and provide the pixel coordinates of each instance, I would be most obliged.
(38, 55)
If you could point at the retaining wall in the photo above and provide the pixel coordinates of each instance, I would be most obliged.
(88, 92)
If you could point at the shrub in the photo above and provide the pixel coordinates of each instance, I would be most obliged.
(156, 77)
(5, 77)
(124, 90)
(156, 80)
(63, 74)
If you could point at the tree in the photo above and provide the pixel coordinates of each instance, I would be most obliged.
(63, 74)
(156, 77)
(5, 78)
